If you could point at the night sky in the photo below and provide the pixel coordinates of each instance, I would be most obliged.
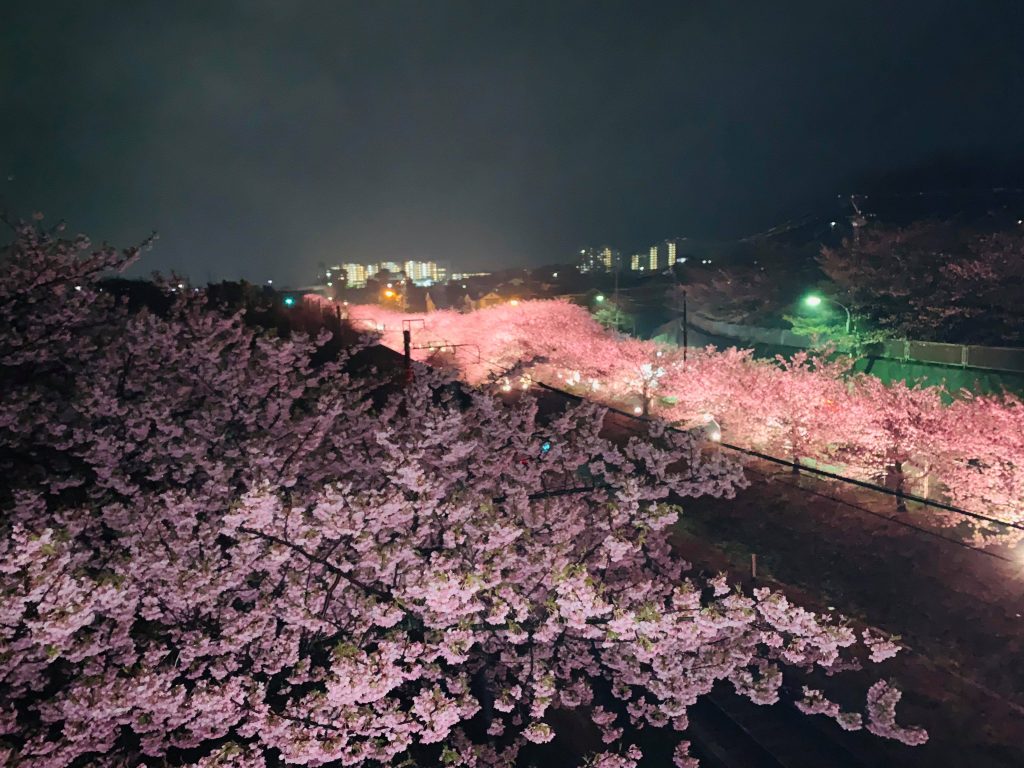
(260, 138)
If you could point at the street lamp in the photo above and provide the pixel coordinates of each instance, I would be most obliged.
(599, 298)
(686, 336)
(814, 300)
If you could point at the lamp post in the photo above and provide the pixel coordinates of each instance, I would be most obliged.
(814, 300)
(686, 330)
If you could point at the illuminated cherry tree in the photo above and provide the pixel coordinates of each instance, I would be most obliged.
(806, 407)
(983, 469)
(213, 553)
(897, 434)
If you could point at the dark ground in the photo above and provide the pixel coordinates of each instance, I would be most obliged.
(843, 550)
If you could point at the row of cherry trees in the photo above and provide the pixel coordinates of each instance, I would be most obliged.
(215, 553)
(807, 407)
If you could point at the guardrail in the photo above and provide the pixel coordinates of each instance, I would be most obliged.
(1009, 359)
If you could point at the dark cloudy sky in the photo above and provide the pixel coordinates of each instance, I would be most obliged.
(262, 137)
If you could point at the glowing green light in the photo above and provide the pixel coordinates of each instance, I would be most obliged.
(289, 301)
(812, 301)
(599, 297)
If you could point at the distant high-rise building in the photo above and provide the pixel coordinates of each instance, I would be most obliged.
(603, 259)
(609, 259)
(424, 272)
(652, 259)
(674, 246)
(590, 260)
(634, 262)
(356, 274)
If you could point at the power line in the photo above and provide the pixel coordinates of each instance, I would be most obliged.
(874, 487)
(897, 521)
(831, 475)
(813, 470)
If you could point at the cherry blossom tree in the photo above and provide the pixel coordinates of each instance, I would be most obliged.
(898, 434)
(806, 407)
(984, 469)
(213, 552)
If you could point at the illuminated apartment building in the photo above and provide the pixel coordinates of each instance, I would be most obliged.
(424, 272)
(604, 259)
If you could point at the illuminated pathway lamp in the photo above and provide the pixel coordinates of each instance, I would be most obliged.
(713, 430)
(289, 301)
(813, 301)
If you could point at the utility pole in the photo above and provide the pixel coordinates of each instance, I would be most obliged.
(407, 346)
(686, 326)
(616, 295)
(857, 221)
(686, 330)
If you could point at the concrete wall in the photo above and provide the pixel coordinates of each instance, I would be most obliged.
(978, 369)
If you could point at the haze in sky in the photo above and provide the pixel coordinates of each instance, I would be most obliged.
(260, 138)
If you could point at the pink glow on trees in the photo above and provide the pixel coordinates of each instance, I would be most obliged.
(805, 408)
(985, 470)
(213, 552)
(898, 434)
